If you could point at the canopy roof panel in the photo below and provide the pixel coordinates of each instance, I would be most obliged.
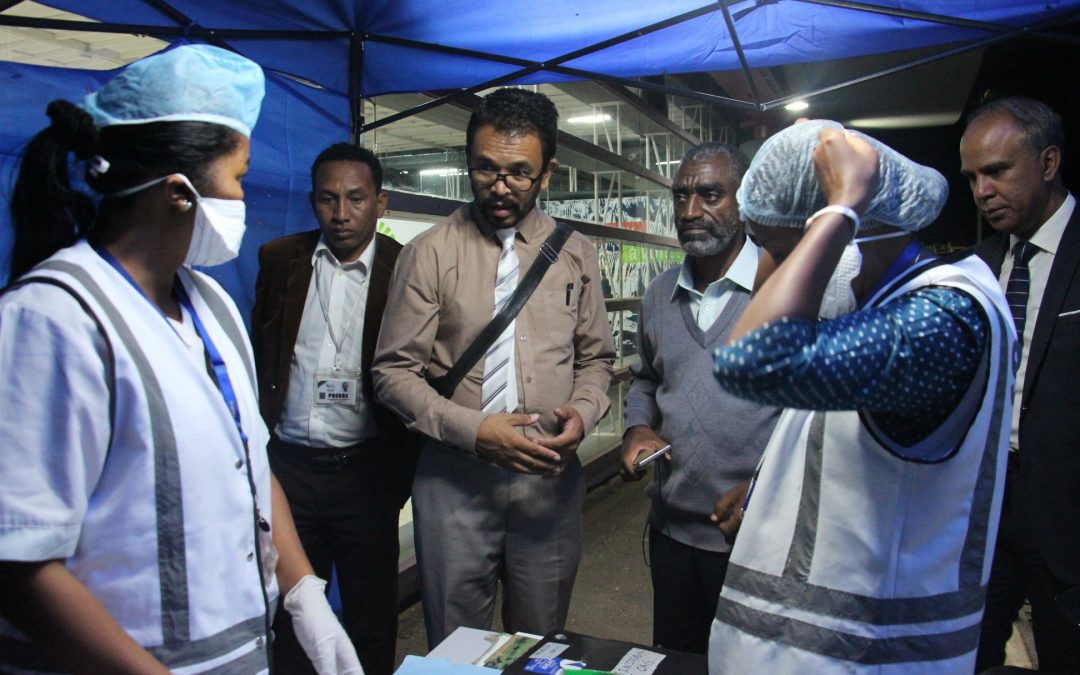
(405, 42)
(351, 49)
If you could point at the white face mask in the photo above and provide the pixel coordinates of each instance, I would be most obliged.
(219, 225)
(839, 297)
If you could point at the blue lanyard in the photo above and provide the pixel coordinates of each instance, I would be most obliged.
(907, 256)
(221, 373)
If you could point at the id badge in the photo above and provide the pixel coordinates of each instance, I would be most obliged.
(337, 388)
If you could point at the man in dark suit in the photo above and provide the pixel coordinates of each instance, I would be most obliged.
(341, 458)
(1011, 153)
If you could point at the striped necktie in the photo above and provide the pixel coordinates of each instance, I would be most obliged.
(1019, 285)
(499, 391)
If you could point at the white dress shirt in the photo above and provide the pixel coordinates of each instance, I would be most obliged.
(1046, 238)
(707, 306)
(344, 290)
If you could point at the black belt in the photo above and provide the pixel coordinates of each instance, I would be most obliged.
(321, 459)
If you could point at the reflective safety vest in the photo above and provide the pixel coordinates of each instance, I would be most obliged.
(163, 526)
(853, 557)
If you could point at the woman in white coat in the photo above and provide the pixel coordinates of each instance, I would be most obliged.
(141, 530)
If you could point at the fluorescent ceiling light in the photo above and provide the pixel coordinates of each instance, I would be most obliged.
(906, 121)
(796, 106)
(442, 171)
(589, 119)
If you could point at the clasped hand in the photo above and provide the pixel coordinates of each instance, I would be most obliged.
(499, 440)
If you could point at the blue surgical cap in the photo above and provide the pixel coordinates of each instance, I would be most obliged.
(192, 83)
(781, 189)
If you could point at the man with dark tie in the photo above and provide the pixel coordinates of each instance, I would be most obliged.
(1011, 153)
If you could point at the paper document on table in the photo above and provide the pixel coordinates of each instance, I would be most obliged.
(420, 665)
(468, 645)
(638, 662)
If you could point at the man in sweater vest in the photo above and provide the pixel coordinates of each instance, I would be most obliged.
(716, 438)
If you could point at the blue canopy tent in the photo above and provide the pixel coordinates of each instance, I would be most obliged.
(324, 56)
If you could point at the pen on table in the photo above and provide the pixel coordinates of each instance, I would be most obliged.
(569, 288)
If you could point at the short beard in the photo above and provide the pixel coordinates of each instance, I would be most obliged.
(720, 234)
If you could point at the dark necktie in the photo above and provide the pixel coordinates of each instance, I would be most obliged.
(1016, 291)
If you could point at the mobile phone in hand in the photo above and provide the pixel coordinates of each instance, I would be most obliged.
(642, 463)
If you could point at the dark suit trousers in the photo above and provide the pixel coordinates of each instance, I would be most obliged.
(1020, 572)
(686, 584)
(347, 518)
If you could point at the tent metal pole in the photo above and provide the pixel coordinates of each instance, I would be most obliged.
(530, 64)
(573, 72)
(217, 36)
(356, 98)
(909, 14)
(985, 42)
(652, 86)
(631, 35)
(186, 22)
(741, 54)
(527, 69)
(447, 49)
(211, 35)
(415, 110)
(152, 30)
(195, 30)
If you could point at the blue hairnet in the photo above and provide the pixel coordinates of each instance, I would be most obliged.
(781, 189)
(192, 83)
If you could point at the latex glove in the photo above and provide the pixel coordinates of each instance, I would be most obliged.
(318, 630)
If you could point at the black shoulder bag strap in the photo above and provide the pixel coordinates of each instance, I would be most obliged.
(549, 253)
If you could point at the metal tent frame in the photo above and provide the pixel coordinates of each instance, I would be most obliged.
(187, 27)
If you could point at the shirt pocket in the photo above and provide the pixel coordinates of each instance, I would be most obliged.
(560, 314)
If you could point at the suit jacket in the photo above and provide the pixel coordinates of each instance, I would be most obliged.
(1049, 485)
(284, 276)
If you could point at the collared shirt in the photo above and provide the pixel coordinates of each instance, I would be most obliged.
(1046, 238)
(708, 305)
(344, 289)
(442, 295)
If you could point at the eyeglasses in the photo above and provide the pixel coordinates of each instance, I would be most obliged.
(515, 181)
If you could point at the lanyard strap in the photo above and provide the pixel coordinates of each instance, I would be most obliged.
(221, 373)
(907, 256)
(217, 362)
(324, 306)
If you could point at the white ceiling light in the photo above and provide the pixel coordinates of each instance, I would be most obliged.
(441, 171)
(589, 119)
(942, 119)
(796, 106)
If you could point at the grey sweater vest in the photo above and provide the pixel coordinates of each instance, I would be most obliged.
(716, 438)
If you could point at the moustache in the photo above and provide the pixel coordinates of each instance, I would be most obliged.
(695, 224)
(493, 204)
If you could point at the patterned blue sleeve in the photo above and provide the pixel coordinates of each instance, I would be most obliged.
(913, 357)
